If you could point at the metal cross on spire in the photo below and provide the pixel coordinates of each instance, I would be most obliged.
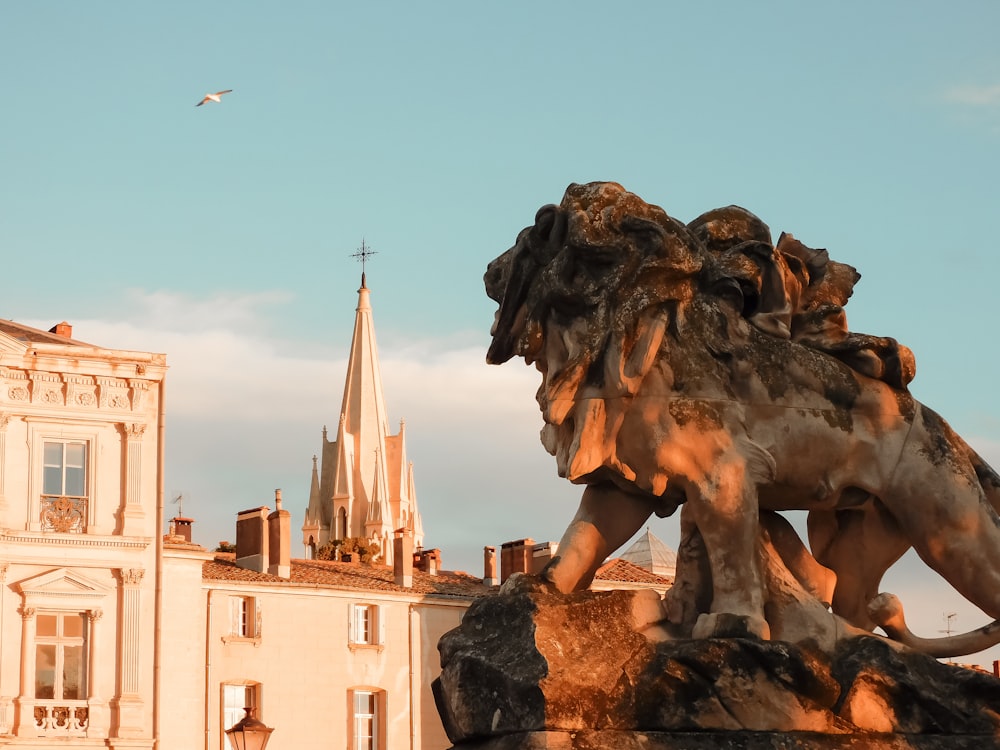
(363, 254)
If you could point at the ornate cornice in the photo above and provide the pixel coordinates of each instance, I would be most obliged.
(73, 389)
(74, 540)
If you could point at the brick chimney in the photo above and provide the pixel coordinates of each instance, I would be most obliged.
(181, 527)
(515, 557)
(428, 560)
(63, 329)
(279, 540)
(402, 558)
(251, 539)
(490, 566)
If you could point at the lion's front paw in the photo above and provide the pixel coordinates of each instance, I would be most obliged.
(727, 625)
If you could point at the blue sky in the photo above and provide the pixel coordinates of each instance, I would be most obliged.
(222, 235)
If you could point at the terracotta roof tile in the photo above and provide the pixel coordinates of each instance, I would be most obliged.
(341, 575)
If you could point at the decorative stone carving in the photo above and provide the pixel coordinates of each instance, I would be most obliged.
(701, 367)
(46, 388)
(131, 576)
(139, 389)
(63, 515)
(81, 390)
(15, 384)
(113, 393)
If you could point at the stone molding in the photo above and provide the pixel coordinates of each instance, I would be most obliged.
(72, 389)
(73, 540)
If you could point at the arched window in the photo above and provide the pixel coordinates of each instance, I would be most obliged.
(342, 524)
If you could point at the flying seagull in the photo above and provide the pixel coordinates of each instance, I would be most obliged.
(216, 97)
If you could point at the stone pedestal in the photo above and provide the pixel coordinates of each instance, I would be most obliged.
(619, 740)
(531, 669)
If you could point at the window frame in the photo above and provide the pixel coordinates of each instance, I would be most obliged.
(252, 690)
(40, 433)
(59, 641)
(244, 619)
(379, 723)
(366, 626)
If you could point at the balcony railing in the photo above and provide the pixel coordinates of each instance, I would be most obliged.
(64, 514)
(61, 718)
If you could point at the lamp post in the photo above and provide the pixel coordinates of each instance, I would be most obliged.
(249, 733)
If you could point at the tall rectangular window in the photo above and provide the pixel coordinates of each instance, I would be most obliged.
(64, 486)
(367, 720)
(61, 656)
(236, 698)
(65, 470)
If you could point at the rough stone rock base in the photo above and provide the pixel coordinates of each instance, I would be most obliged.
(619, 740)
(536, 670)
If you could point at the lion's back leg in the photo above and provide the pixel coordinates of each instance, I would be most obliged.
(938, 501)
(859, 545)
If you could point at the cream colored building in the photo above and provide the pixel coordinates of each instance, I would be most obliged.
(81, 439)
(331, 654)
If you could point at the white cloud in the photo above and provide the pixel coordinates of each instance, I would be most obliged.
(977, 96)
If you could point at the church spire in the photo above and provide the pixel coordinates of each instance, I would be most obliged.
(365, 483)
(363, 409)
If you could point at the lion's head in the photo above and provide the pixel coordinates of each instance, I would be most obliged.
(586, 272)
(587, 295)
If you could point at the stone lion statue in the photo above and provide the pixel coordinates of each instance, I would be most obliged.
(701, 367)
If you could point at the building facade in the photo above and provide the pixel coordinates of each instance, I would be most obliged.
(329, 654)
(81, 439)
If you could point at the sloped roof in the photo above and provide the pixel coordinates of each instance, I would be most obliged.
(617, 570)
(30, 335)
(342, 575)
(650, 553)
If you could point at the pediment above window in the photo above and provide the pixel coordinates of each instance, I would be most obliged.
(59, 585)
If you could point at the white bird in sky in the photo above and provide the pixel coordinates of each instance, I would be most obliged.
(216, 97)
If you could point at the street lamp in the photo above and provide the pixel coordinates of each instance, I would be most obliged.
(249, 733)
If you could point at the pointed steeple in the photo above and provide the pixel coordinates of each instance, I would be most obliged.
(314, 514)
(416, 522)
(365, 484)
(363, 408)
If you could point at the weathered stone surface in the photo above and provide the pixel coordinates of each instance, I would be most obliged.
(701, 366)
(618, 740)
(592, 670)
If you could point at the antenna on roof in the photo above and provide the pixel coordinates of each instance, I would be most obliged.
(363, 254)
(179, 501)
